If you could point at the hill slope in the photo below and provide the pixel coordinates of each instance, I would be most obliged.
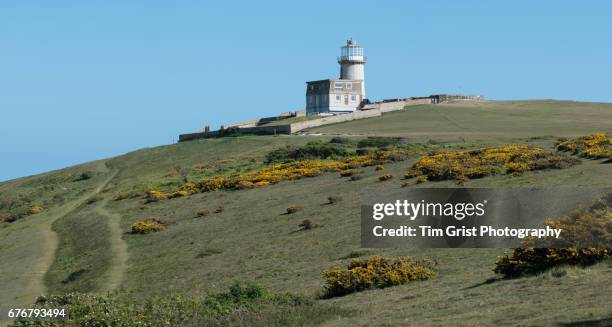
(500, 121)
(248, 237)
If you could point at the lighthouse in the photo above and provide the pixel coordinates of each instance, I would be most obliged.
(352, 63)
(344, 95)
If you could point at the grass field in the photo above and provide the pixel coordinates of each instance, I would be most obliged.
(497, 121)
(28, 246)
(247, 236)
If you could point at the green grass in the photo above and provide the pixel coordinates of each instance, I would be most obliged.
(461, 292)
(27, 246)
(258, 241)
(488, 121)
(46, 190)
(82, 258)
(155, 168)
(242, 305)
(252, 240)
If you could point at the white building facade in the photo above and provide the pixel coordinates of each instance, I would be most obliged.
(345, 94)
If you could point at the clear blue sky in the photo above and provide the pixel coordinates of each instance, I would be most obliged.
(85, 80)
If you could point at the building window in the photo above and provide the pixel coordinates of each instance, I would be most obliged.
(353, 98)
(339, 85)
(349, 85)
(338, 98)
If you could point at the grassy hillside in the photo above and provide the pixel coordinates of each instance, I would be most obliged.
(498, 121)
(28, 245)
(82, 242)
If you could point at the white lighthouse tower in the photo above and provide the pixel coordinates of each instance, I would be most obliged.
(352, 63)
(344, 95)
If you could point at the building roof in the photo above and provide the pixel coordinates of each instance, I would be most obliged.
(333, 80)
(319, 81)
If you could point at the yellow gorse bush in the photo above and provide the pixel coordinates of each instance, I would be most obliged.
(154, 196)
(375, 272)
(147, 226)
(279, 172)
(290, 171)
(527, 261)
(35, 209)
(594, 146)
(216, 183)
(585, 239)
(464, 165)
(187, 189)
(293, 209)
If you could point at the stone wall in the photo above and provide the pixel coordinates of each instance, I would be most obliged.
(247, 123)
(442, 98)
(377, 109)
(296, 127)
(278, 129)
(399, 105)
(268, 130)
(198, 135)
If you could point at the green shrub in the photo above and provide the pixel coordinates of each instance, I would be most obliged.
(7, 218)
(379, 142)
(306, 224)
(365, 151)
(240, 291)
(19, 213)
(340, 140)
(310, 151)
(242, 305)
(375, 272)
(558, 272)
(85, 176)
(74, 276)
